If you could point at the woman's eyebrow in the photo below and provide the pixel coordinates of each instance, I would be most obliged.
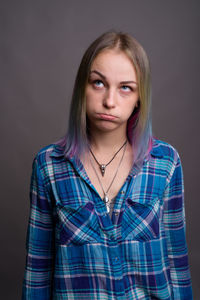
(98, 73)
(104, 77)
(128, 82)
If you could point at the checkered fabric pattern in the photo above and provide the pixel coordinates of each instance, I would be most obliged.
(75, 250)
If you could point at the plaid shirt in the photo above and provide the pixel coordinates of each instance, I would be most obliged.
(76, 251)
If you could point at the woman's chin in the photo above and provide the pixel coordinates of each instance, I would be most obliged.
(106, 126)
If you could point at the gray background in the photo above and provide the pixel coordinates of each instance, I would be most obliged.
(41, 44)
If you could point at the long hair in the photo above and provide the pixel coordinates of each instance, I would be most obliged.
(139, 131)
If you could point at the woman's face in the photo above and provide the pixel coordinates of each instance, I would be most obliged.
(111, 91)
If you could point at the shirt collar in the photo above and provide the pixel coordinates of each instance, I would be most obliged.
(157, 149)
(58, 151)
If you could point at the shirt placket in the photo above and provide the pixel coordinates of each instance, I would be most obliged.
(110, 227)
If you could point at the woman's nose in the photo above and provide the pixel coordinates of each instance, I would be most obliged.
(110, 99)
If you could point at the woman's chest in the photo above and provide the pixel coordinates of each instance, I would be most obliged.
(81, 215)
(75, 187)
(110, 181)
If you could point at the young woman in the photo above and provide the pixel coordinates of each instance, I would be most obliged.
(107, 211)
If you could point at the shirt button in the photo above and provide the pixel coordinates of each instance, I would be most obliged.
(116, 213)
(122, 192)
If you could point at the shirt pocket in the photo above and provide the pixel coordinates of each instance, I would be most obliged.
(78, 226)
(141, 220)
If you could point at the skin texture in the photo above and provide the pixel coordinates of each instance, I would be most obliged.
(111, 96)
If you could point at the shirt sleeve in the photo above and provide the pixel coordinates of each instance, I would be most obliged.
(174, 223)
(39, 245)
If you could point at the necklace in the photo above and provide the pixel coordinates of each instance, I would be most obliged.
(103, 166)
(106, 198)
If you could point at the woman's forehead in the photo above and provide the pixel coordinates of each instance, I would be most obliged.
(114, 63)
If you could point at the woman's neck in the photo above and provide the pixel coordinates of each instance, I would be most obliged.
(107, 142)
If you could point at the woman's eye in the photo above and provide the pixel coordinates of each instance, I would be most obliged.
(126, 88)
(98, 83)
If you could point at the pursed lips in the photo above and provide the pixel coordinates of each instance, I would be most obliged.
(106, 117)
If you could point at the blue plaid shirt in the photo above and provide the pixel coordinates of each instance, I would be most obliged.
(75, 250)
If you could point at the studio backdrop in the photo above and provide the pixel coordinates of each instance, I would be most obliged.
(42, 43)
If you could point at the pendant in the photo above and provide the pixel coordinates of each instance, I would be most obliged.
(108, 207)
(103, 169)
(106, 201)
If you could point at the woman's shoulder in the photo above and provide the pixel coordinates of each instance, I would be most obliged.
(164, 150)
(46, 154)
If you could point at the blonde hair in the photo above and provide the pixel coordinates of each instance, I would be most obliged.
(139, 130)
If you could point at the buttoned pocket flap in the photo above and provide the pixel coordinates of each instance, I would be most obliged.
(140, 221)
(78, 226)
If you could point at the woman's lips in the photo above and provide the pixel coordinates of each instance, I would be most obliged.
(107, 117)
